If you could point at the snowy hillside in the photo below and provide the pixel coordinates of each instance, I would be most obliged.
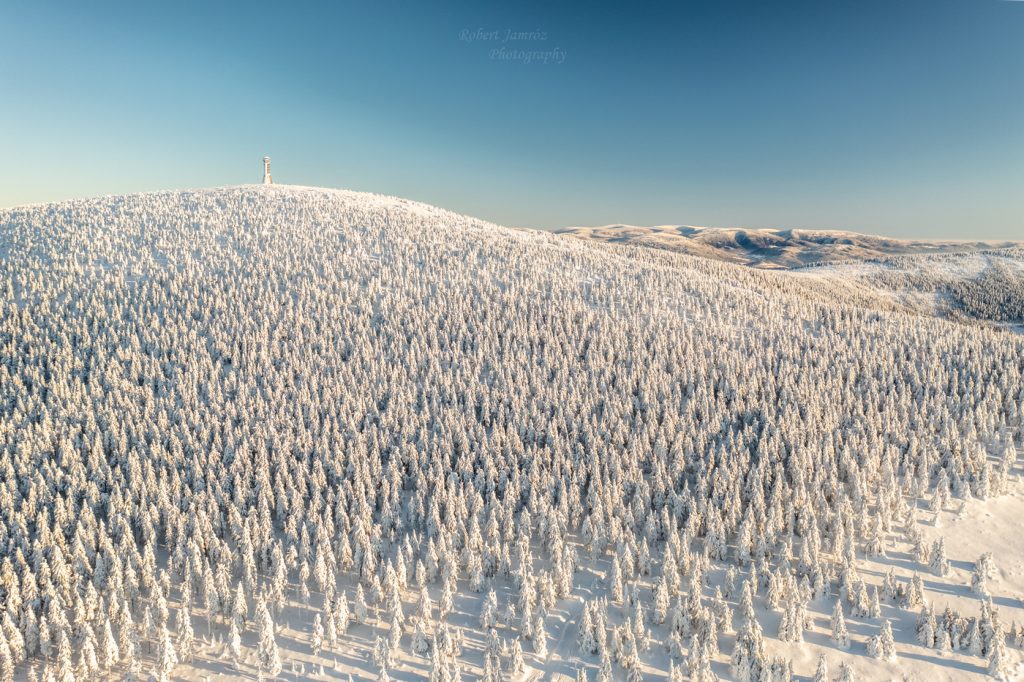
(305, 434)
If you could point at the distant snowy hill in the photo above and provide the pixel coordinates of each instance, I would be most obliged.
(966, 281)
(765, 248)
(307, 434)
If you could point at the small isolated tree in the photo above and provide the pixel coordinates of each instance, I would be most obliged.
(110, 654)
(939, 563)
(984, 569)
(605, 673)
(395, 633)
(882, 646)
(699, 663)
(748, 659)
(65, 671)
(166, 657)
(540, 638)
(234, 642)
(382, 654)
(821, 671)
(341, 614)
(186, 635)
(926, 627)
(420, 639)
(362, 611)
(661, 602)
(516, 664)
(267, 653)
(998, 660)
(424, 606)
(317, 639)
(587, 641)
(781, 670)
(492, 670)
(840, 635)
(489, 612)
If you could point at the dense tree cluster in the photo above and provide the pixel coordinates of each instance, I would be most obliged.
(212, 403)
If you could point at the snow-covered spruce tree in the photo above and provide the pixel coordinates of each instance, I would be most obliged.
(588, 640)
(489, 612)
(699, 663)
(420, 639)
(234, 643)
(821, 670)
(362, 610)
(927, 628)
(109, 652)
(516, 662)
(492, 668)
(185, 635)
(605, 672)
(840, 634)
(984, 569)
(340, 617)
(939, 563)
(748, 656)
(540, 638)
(661, 602)
(166, 656)
(316, 641)
(882, 646)
(268, 655)
(999, 665)
(780, 670)
(382, 654)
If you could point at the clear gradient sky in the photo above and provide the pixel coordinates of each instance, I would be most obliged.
(897, 117)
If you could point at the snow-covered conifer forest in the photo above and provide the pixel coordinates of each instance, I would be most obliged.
(301, 434)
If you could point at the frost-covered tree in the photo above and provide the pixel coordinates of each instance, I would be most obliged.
(516, 663)
(882, 646)
(748, 656)
(234, 642)
(420, 639)
(109, 652)
(382, 654)
(540, 638)
(166, 656)
(267, 653)
(984, 569)
(939, 563)
(840, 634)
(999, 665)
(316, 641)
(821, 669)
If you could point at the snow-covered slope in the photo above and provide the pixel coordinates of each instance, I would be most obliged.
(325, 434)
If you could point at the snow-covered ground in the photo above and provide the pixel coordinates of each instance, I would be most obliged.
(221, 411)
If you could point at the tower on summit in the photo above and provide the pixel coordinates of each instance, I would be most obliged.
(267, 180)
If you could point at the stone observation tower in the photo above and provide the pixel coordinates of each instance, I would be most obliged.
(267, 180)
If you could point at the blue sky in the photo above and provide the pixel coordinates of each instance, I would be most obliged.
(898, 117)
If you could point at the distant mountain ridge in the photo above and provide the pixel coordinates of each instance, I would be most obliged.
(774, 249)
